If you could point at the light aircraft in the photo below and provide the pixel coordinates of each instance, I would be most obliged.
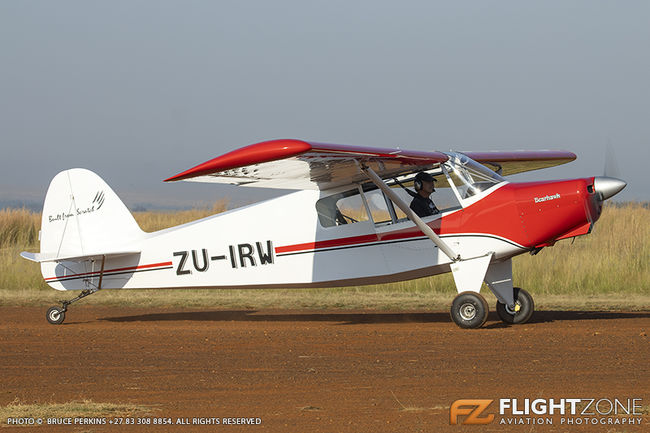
(348, 223)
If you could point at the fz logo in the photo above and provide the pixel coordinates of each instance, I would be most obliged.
(473, 409)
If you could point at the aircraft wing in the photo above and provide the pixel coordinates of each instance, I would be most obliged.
(518, 161)
(297, 164)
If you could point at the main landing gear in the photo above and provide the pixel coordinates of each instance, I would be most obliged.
(470, 309)
(56, 315)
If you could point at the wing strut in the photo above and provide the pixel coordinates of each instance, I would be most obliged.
(410, 214)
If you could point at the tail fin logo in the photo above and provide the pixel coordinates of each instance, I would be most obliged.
(95, 205)
(99, 199)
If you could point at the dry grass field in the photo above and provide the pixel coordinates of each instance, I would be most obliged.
(607, 269)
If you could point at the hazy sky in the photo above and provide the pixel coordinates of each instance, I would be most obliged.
(141, 90)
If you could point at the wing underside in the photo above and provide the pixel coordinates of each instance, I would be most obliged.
(298, 164)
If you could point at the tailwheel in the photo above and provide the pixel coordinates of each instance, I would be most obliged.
(469, 310)
(521, 311)
(55, 315)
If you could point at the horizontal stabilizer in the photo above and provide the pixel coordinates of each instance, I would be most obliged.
(40, 258)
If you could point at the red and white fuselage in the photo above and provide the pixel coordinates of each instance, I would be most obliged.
(280, 242)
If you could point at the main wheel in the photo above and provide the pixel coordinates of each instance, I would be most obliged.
(55, 315)
(469, 310)
(523, 310)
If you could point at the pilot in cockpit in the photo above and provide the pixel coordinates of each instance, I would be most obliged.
(421, 204)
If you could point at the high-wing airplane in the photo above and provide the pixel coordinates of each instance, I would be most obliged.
(348, 223)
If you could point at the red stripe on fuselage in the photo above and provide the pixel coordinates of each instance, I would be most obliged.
(353, 240)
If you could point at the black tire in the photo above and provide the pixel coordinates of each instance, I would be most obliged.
(55, 315)
(524, 302)
(469, 310)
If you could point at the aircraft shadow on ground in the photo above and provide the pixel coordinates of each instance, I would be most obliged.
(361, 318)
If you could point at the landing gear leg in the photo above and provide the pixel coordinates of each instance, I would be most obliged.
(521, 311)
(514, 305)
(56, 315)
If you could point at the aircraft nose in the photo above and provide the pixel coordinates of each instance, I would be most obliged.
(607, 187)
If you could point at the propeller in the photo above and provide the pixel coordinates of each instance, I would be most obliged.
(611, 166)
(609, 184)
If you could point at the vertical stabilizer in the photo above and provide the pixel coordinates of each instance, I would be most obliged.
(83, 215)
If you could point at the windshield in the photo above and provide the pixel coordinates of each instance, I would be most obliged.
(468, 176)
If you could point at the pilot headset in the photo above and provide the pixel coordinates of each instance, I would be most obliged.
(417, 183)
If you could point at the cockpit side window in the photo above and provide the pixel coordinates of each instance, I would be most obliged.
(379, 208)
(343, 208)
(351, 206)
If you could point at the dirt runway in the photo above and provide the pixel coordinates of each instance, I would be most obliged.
(333, 371)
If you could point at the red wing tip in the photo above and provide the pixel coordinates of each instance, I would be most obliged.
(264, 151)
